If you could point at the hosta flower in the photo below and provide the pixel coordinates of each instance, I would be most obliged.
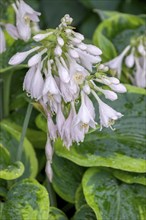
(132, 56)
(62, 80)
(2, 41)
(24, 15)
(107, 114)
(116, 63)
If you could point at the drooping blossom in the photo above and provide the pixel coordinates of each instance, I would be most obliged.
(2, 41)
(134, 58)
(62, 80)
(25, 15)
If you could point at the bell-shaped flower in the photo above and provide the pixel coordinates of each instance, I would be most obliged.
(21, 56)
(140, 73)
(36, 58)
(66, 130)
(2, 41)
(23, 28)
(49, 171)
(39, 37)
(107, 114)
(84, 117)
(129, 60)
(26, 11)
(107, 93)
(62, 71)
(12, 30)
(58, 51)
(29, 79)
(116, 63)
(120, 88)
(87, 60)
(141, 49)
(60, 119)
(37, 84)
(49, 150)
(60, 41)
(93, 50)
(52, 128)
(73, 53)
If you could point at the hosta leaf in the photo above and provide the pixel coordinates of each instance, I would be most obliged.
(128, 177)
(10, 139)
(111, 200)
(3, 188)
(12, 171)
(66, 173)
(56, 214)
(27, 199)
(123, 148)
(8, 170)
(84, 213)
(117, 29)
(37, 138)
(105, 14)
(79, 198)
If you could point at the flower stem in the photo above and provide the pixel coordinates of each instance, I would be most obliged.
(6, 92)
(25, 125)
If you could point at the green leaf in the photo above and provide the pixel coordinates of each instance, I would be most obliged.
(123, 26)
(123, 148)
(79, 198)
(3, 188)
(111, 200)
(135, 89)
(27, 199)
(66, 173)
(84, 213)
(8, 170)
(56, 214)
(10, 139)
(37, 138)
(128, 177)
(105, 14)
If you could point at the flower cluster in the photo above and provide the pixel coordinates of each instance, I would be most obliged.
(63, 73)
(134, 56)
(24, 15)
(26, 23)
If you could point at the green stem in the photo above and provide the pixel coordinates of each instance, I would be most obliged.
(25, 125)
(6, 92)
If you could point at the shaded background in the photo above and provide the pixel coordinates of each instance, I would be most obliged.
(84, 12)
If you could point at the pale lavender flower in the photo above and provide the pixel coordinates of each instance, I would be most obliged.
(129, 60)
(140, 73)
(37, 84)
(49, 171)
(49, 150)
(62, 71)
(116, 63)
(39, 37)
(24, 14)
(84, 117)
(2, 41)
(21, 56)
(107, 114)
(52, 128)
(60, 119)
